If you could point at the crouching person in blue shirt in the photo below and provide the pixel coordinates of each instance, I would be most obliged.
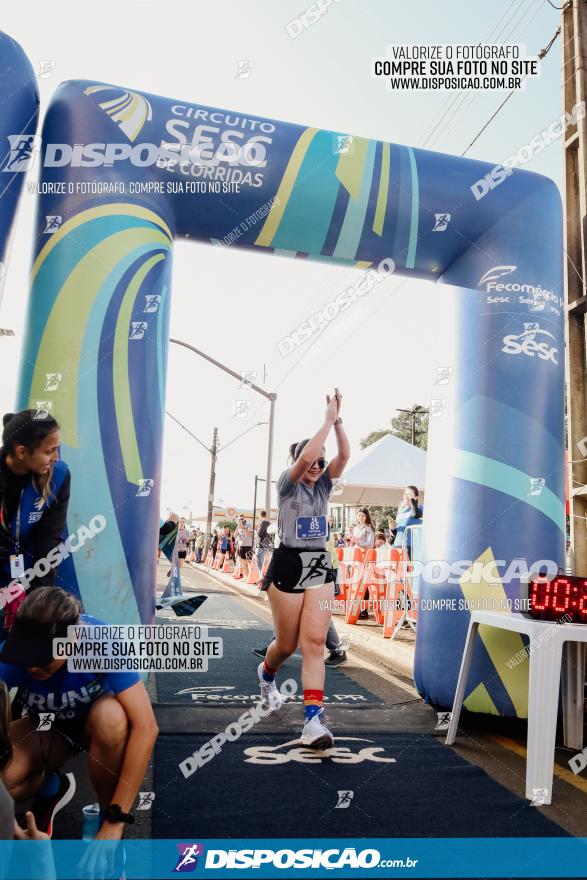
(107, 714)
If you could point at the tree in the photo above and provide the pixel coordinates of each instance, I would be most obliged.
(381, 516)
(401, 426)
(373, 437)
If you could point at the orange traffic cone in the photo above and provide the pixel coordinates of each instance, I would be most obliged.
(238, 570)
(216, 563)
(226, 567)
(253, 572)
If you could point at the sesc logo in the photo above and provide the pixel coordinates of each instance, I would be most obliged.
(283, 754)
(526, 343)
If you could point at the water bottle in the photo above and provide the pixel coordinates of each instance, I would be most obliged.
(91, 814)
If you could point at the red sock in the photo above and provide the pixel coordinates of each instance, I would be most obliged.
(313, 700)
(268, 672)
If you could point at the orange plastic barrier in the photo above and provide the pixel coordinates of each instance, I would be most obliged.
(238, 569)
(226, 567)
(395, 595)
(209, 558)
(354, 594)
(350, 568)
(375, 578)
(216, 563)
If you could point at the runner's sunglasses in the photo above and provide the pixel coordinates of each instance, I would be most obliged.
(321, 462)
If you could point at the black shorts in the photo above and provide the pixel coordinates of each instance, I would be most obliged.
(181, 554)
(245, 552)
(286, 568)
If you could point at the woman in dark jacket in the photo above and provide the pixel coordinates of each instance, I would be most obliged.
(34, 495)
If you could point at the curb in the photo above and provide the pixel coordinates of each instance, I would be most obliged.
(395, 655)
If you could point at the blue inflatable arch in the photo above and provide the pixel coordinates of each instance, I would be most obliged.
(125, 173)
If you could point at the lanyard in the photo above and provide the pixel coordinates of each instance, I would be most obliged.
(17, 537)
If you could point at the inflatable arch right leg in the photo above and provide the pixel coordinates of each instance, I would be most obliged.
(134, 171)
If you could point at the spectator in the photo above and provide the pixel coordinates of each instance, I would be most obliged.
(9, 827)
(264, 540)
(409, 513)
(363, 533)
(392, 531)
(200, 540)
(363, 536)
(214, 543)
(224, 545)
(182, 542)
(167, 536)
(245, 545)
(380, 540)
(338, 540)
(337, 655)
(34, 496)
(108, 715)
(192, 545)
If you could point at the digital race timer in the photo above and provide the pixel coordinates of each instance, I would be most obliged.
(563, 596)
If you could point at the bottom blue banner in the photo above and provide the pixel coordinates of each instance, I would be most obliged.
(383, 857)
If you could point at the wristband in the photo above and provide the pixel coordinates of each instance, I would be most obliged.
(114, 814)
(338, 422)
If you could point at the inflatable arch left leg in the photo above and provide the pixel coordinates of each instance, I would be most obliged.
(145, 170)
(18, 142)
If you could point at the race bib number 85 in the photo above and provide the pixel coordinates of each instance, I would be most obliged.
(308, 527)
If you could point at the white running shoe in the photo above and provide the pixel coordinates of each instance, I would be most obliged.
(270, 696)
(315, 734)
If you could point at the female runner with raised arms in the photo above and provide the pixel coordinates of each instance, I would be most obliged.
(300, 578)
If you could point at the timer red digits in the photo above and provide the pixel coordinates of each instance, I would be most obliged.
(561, 597)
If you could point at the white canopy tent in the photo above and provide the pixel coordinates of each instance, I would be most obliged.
(379, 474)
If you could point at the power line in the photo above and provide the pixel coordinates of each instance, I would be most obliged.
(187, 430)
(450, 101)
(541, 55)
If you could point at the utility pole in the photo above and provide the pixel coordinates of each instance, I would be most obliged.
(416, 411)
(271, 396)
(574, 43)
(214, 453)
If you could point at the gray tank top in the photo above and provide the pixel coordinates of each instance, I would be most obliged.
(303, 510)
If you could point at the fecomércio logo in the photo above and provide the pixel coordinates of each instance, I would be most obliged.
(497, 281)
(492, 275)
(527, 344)
(188, 855)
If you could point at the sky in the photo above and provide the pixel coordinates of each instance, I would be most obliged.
(237, 306)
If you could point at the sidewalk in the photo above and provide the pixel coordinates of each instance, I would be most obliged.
(365, 637)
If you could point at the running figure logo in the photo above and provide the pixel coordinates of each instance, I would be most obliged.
(443, 720)
(344, 799)
(23, 149)
(188, 856)
(152, 302)
(146, 799)
(316, 568)
(46, 719)
(52, 223)
(441, 222)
